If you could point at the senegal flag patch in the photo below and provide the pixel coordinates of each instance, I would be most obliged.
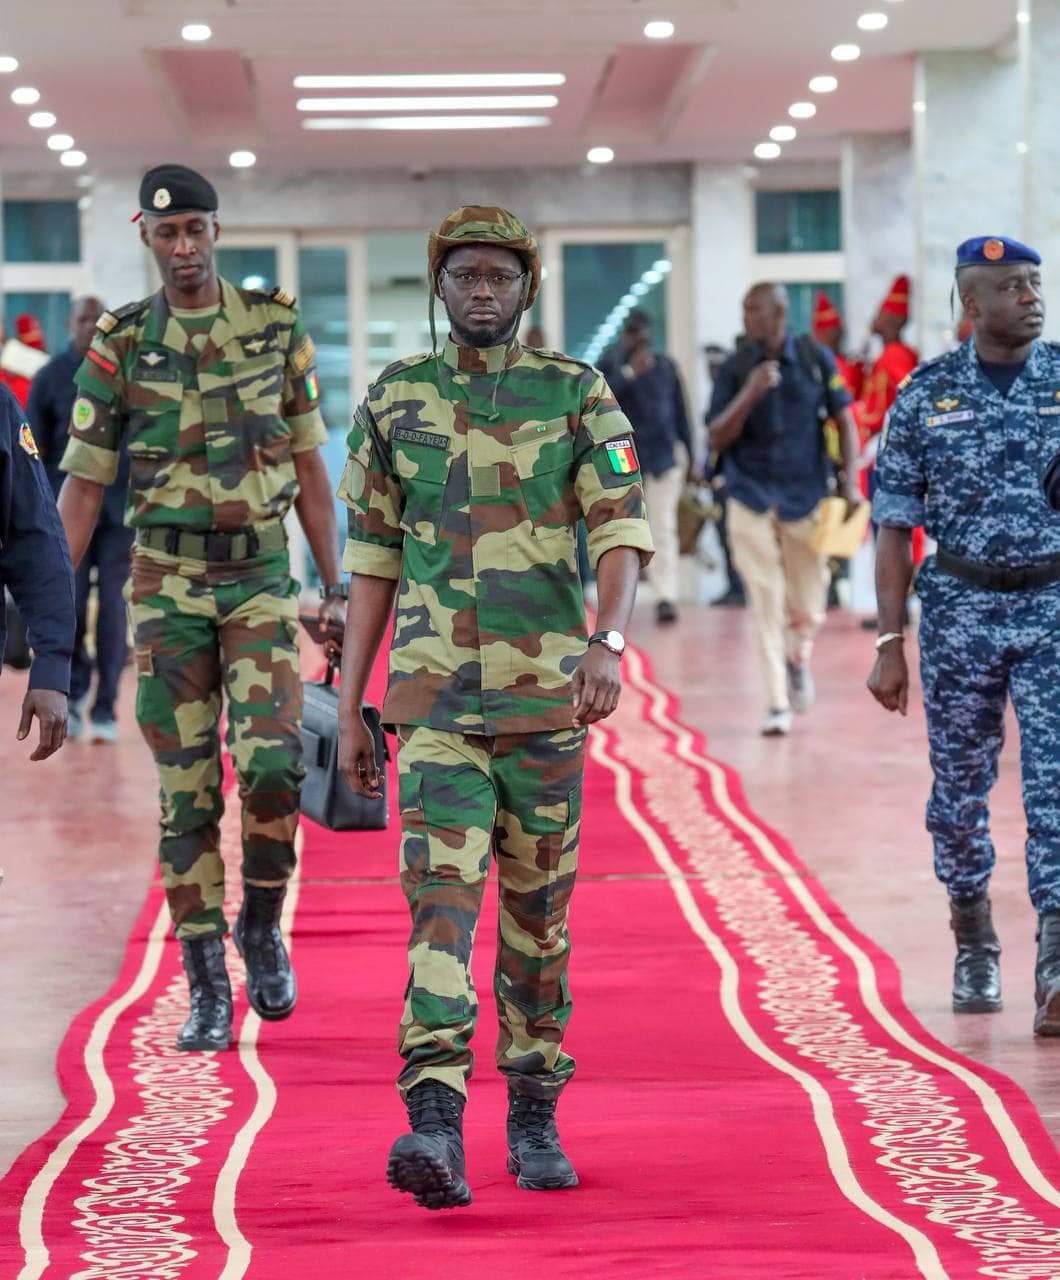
(622, 457)
(312, 385)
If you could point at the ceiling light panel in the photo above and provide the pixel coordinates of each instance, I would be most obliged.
(824, 84)
(767, 151)
(41, 120)
(427, 122)
(600, 155)
(784, 133)
(846, 53)
(195, 32)
(872, 22)
(8, 64)
(802, 110)
(476, 102)
(25, 96)
(660, 30)
(486, 80)
(73, 159)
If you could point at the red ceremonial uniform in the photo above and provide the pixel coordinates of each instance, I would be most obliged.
(827, 328)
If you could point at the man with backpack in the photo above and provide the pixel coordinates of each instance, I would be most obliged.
(770, 402)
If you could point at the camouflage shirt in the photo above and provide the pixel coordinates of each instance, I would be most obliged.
(467, 476)
(212, 432)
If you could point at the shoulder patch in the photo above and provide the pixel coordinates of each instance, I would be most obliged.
(281, 296)
(25, 439)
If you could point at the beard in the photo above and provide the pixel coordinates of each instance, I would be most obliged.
(491, 334)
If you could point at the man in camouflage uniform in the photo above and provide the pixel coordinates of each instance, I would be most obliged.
(972, 451)
(214, 390)
(468, 473)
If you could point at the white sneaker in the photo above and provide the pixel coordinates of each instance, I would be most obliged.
(777, 724)
(75, 723)
(103, 731)
(801, 689)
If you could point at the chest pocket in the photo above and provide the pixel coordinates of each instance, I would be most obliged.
(259, 384)
(424, 471)
(955, 456)
(154, 418)
(543, 458)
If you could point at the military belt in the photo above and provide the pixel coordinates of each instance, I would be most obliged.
(996, 577)
(216, 544)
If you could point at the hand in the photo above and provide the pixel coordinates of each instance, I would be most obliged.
(642, 359)
(763, 378)
(695, 473)
(333, 623)
(889, 681)
(51, 710)
(852, 495)
(356, 761)
(597, 686)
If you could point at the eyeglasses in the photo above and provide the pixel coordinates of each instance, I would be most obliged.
(498, 281)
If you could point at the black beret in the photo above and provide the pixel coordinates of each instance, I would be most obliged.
(173, 188)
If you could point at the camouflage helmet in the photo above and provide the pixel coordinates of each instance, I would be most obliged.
(485, 224)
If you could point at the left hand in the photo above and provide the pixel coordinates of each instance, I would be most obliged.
(851, 493)
(333, 621)
(51, 711)
(597, 686)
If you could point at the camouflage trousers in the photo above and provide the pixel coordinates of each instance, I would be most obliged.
(200, 632)
(976, 648)
(464, 798)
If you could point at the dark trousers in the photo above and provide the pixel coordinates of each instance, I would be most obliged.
(109, 554)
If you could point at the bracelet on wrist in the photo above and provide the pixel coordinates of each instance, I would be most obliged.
(887, 637)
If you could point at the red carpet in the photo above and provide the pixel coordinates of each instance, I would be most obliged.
(752, 1097)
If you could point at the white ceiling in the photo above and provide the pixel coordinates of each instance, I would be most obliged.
(121, 80)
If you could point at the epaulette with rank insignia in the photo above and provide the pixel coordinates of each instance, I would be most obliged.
(923, 368)
(560, 356)
(406, 362)
(281, 296)
(110, 320)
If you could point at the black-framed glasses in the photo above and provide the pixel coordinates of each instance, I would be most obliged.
(498, 281)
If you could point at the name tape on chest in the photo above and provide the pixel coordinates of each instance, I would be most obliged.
(622, 457)
(1049, 410)
(945, 419)
(408, 435)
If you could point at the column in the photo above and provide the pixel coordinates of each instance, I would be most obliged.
(1039, 41)
(119, 267)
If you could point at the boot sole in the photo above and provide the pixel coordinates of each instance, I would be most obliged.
(265, 1014)
(977, 1006)
(1047, 1016)
(203, 1046)
(541, 1184)
(430, 1181)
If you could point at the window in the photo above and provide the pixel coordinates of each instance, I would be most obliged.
(248, 268)
(801, 298)
(42, 231)
(602, 283)
(797, 221)
(50, 310)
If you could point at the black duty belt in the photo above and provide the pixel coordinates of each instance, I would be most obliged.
(216, 544)
(996, 577)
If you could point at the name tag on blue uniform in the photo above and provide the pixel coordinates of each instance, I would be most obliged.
(944, 419)
(1050, 410)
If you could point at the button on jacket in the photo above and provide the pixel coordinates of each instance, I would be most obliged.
(467, 476)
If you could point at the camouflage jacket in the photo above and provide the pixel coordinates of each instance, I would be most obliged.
(466, 479)
(211, 436)
(970, 465)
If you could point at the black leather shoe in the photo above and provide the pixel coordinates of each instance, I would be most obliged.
(271, 986)
(665, 612)
(1047, 976)
(534, 1153)
(977, 969)
(428, 1163)
(210, 1024)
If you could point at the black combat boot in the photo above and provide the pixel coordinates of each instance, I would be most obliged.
(1047, 976)
(271, 986)
(210, 1024)
(534, 1152)
(428, 1163)
(977, 969)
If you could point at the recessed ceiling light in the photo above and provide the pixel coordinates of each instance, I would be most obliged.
(60, 142)
(783, 133)
(41, 120)
(476, 102)
(599, 155)
(73, 159)
(242, 159)
(428, 122)
(767, 151)
(25, 97)
(659, 30)
(846, 53)
(488, 80)
(802, 110)
(824, 84)
(872, 21)
(8, 64)
(196, 32)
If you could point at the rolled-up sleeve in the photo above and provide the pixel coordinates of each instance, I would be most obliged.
(901, 483)
(607, 477)
(375, 502)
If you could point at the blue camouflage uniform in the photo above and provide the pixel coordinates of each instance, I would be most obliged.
(34, 562)
(970, 464)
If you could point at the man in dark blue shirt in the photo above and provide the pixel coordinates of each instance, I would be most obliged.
(648, 389)
(35, 568)
(766, 417)
(51, 401)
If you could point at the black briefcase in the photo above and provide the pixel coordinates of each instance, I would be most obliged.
(326, 798)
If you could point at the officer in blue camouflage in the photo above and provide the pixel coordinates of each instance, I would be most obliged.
(972, 451)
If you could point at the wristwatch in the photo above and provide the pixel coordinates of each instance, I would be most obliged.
(613, 640)
(335, 591)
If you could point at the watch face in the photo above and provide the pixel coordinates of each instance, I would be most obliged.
(616, 640)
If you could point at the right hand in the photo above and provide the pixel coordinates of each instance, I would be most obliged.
(357, 758)
(642, 359)
(889, 681)
(762, 379)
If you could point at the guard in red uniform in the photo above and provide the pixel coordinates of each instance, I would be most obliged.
(828, 331)
(22, 357)
(896, 362)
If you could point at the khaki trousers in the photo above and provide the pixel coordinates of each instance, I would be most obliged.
(787, 585)
(661, 495)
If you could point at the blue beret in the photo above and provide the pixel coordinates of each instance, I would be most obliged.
(994, 250)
